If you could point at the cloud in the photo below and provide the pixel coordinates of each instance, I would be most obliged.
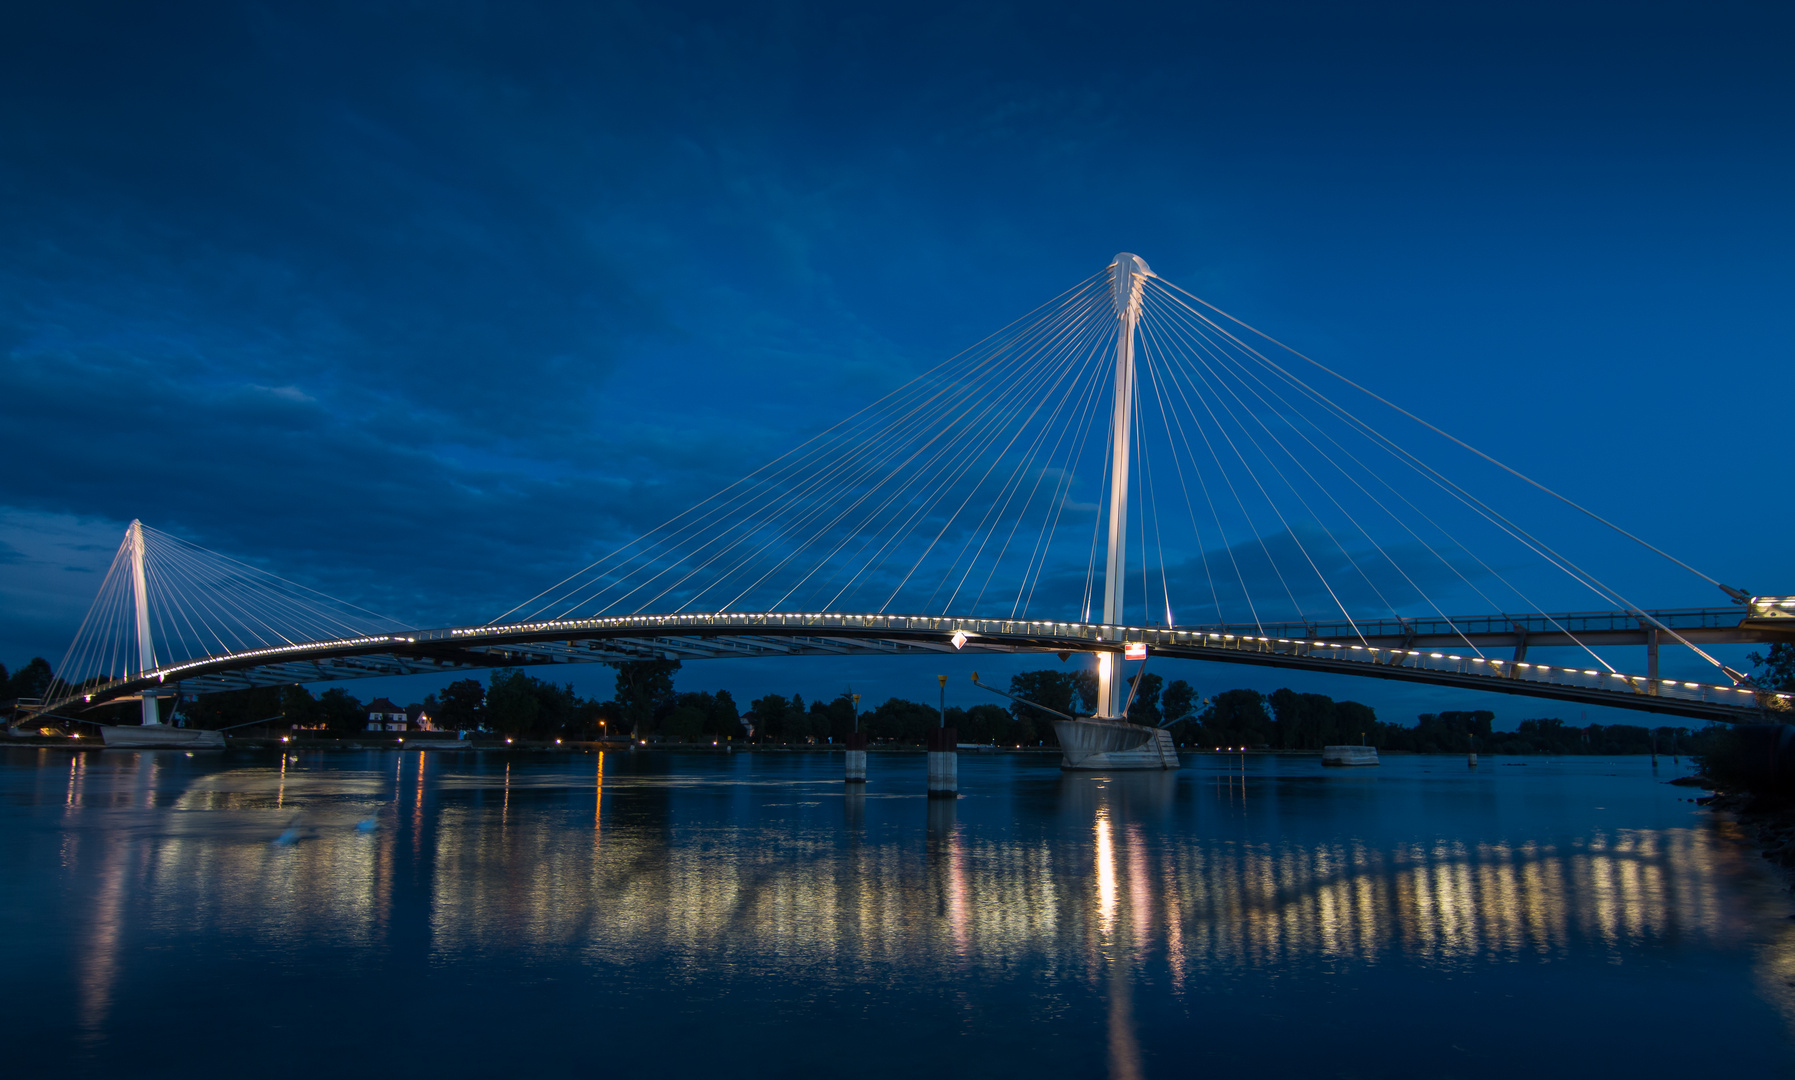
(428, 308)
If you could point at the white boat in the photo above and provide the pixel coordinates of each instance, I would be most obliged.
(1349, 755)
(1114, 744)
(160, 737)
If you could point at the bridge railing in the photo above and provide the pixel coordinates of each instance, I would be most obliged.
(1045, 635)
(1099, 636)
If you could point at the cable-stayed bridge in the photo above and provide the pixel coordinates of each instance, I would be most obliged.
(1126, 465)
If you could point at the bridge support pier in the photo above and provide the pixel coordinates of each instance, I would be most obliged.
(944, 770)
(855, 770)
(1651, 660)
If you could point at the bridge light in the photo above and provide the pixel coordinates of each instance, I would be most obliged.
(1437, 656)
(1693, 686)
(1592, 673)
(1455, 658)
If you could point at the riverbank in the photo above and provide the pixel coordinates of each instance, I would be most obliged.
(448, 740)
(1765, 821)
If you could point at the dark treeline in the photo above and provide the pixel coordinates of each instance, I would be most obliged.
(1287, 720)
(29, 681)
(645, 705)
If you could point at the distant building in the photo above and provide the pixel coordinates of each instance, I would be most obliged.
(383, 715)
(419, 720)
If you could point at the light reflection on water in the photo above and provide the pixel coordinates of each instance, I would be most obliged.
(1133, 894)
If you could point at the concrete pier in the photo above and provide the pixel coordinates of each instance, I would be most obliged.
(944, 773)
(855, 772)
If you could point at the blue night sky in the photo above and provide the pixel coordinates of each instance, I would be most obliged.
(423, 305)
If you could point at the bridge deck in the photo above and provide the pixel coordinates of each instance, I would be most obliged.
(709, 636)
(1701, 626)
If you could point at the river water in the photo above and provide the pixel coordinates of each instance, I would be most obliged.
(456, 914)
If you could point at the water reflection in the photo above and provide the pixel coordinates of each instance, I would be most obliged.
(1093, 888)
(1207, 902)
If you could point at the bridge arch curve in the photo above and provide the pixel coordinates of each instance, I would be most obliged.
(685, 636)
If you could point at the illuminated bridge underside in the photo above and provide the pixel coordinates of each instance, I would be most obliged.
(1699, 626)
(754, 635)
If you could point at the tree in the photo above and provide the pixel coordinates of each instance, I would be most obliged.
(725, 719)
(520, 704)
(231, 708)
(1237, 718)
(342, 712)
(511, 705)
(299, 708)
(767, 715)
(689, 716)
(1176, 706)
(1178, 701)
(643, 687)
(1071, 692)
(1144, 709)
(1304, 721)
(1776, 671)
(1353, 718)
(982, 723)
(900, 720)
(29, 681)
(462, 706)
(834, 719)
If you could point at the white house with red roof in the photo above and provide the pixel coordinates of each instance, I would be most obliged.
(383, 715)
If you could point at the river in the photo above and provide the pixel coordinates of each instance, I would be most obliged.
(458, 914)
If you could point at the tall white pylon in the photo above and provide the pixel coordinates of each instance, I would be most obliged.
(1128, 275)
(146, 646)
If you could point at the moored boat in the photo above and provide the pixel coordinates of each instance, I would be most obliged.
(1349, 755)
(159, 737)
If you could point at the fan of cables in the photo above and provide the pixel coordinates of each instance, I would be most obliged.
(196, 603)
(979, 489)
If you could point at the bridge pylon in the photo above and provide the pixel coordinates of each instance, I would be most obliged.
(140, 600)
(1128, 275)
